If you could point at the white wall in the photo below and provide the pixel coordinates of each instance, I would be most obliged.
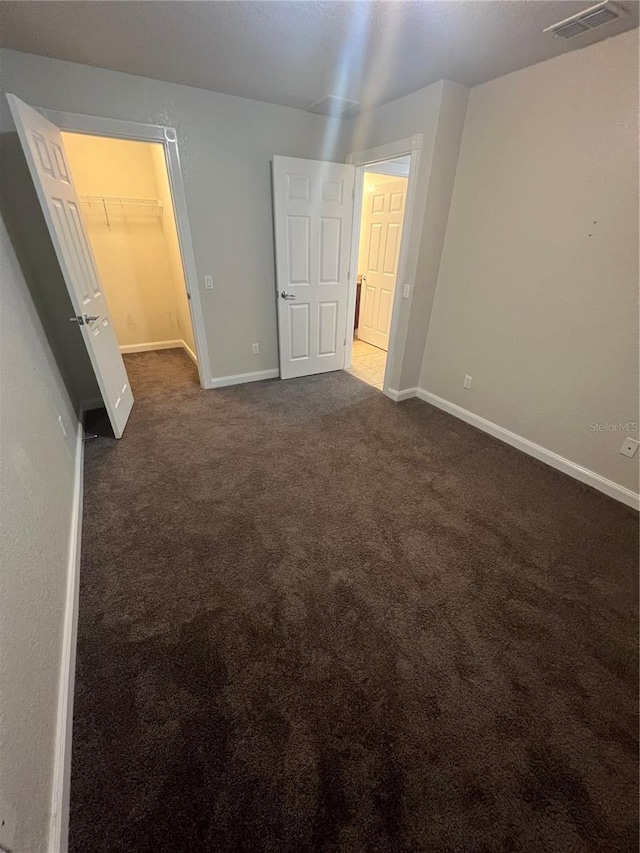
(132, 246)
(538, 285)
(436, 112)
(37, 465)
(226, 145)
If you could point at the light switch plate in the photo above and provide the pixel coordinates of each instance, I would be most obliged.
(208, 282)
(406, 291)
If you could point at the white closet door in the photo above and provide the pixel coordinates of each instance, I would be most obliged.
(45, 154)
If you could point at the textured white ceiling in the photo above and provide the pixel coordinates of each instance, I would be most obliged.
(293, 53)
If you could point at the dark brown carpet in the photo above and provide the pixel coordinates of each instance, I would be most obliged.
(314, 620)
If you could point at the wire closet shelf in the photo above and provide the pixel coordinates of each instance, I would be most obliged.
(126, 204)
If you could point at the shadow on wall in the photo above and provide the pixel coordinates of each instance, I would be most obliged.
(29, 235)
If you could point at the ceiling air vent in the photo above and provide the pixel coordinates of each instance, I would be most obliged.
(333, 105)
(589, 19)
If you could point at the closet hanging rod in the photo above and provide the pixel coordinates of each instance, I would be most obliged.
(120, 200)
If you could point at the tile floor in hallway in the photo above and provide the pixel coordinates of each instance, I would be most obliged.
(368, 363)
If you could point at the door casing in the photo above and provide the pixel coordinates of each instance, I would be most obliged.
(411, 146)
(122, 129)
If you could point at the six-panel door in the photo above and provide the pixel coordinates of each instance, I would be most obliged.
(380, 236)
(313, 212)
(44, 151)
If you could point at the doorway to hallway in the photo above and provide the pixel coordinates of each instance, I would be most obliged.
(381, 217)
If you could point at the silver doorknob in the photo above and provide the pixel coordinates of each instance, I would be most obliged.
(285, 295)
(81, 319)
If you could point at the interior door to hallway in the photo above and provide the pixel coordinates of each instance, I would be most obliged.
(313, 213)
(44, 151)
(380, 236)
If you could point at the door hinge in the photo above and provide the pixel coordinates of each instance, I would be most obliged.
(188, 295)
(81, 319)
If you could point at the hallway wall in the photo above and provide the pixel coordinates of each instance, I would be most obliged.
(133, 246)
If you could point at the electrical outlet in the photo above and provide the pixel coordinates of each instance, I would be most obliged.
(630, 447)
(208, 282)
(467, 381)
(8, 821)
(255, 348)
(406, 291)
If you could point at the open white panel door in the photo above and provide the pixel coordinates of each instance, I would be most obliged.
(313, 210)
(44, 151)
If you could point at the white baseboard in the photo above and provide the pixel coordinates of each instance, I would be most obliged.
(189, 352)
(177, 344)
(151, 346)
(59, 822)
(584, 475)
(399, 396)
(240, 378)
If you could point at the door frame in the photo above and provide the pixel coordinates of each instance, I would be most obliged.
(167, 136)
(411, 146)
